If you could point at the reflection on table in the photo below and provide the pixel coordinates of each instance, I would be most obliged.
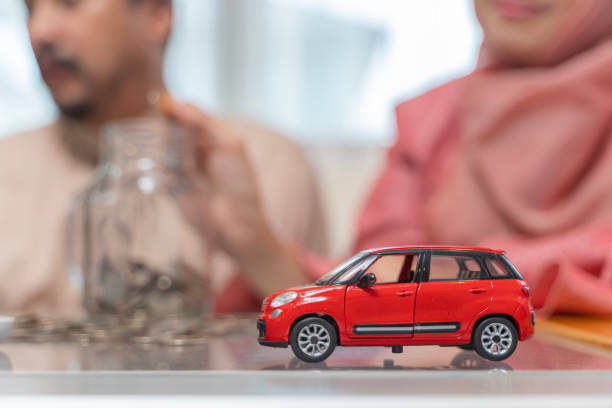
(240, 351)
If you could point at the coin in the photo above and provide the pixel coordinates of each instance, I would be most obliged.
(80, 337)
(26, 320)
(105, 335)
(138, 328)
(164, 282)
(144, 339)
(126, 288)
(19, 334)
(182, 339)
(47, 337)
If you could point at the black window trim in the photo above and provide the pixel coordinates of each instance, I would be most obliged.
(422, 269)
(378, 255)
(475, 255)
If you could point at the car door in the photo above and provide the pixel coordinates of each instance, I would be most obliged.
(387, 307)
(455, 289)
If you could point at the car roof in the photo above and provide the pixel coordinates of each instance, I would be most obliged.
(429, 247)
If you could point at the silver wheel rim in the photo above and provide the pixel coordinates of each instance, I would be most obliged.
(496, 338)
(313, 340)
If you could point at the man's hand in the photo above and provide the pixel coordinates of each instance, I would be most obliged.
(233, 216)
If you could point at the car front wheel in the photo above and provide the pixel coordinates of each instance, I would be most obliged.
(495, 338)
(313, 339)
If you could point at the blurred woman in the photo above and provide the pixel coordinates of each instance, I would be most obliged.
(516, 155)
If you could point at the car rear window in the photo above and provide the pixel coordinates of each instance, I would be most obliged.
(514, 272)
(444, 267)
(497, 269)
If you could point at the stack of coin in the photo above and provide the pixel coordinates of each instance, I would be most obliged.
(179, 331)
(39, 329)
(138, 288)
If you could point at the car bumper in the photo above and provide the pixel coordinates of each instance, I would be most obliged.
(273, 331)
(525, 317)
(277, 344)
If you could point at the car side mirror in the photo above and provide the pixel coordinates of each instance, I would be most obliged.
(366, 280)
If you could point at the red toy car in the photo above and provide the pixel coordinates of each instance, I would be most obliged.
(450, 296)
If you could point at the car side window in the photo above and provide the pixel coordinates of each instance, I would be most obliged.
(497, 269)
(454, 268)
(394, 268)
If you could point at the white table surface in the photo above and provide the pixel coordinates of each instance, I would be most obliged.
(236, 371)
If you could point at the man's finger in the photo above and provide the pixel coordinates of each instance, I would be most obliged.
(184, 113)
(191, 118)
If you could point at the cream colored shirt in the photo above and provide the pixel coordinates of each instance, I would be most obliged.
(42, 170)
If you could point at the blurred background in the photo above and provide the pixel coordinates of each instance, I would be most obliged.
(326, 74)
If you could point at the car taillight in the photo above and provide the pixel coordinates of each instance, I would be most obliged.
(525, 290)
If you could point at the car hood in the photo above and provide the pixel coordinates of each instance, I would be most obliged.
(303, 291)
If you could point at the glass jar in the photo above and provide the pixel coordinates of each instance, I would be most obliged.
(134, 236)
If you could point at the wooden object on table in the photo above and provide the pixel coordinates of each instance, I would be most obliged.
(590, 329)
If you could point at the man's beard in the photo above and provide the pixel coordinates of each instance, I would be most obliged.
(77, 111)
(80, 109)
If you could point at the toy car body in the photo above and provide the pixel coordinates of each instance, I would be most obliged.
(449, 296)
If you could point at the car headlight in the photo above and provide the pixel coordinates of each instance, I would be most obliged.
(283, 299)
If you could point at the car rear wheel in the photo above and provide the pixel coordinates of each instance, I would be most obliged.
(313, 339)
(495, 338)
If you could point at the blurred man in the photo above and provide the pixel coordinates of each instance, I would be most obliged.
(100, 60)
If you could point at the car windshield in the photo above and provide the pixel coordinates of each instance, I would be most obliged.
(338, 271)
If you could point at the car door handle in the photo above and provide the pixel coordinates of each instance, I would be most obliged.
(477, 290)
(405, 293)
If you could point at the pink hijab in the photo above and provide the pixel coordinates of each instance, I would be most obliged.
(515, 159)
(533, 173)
